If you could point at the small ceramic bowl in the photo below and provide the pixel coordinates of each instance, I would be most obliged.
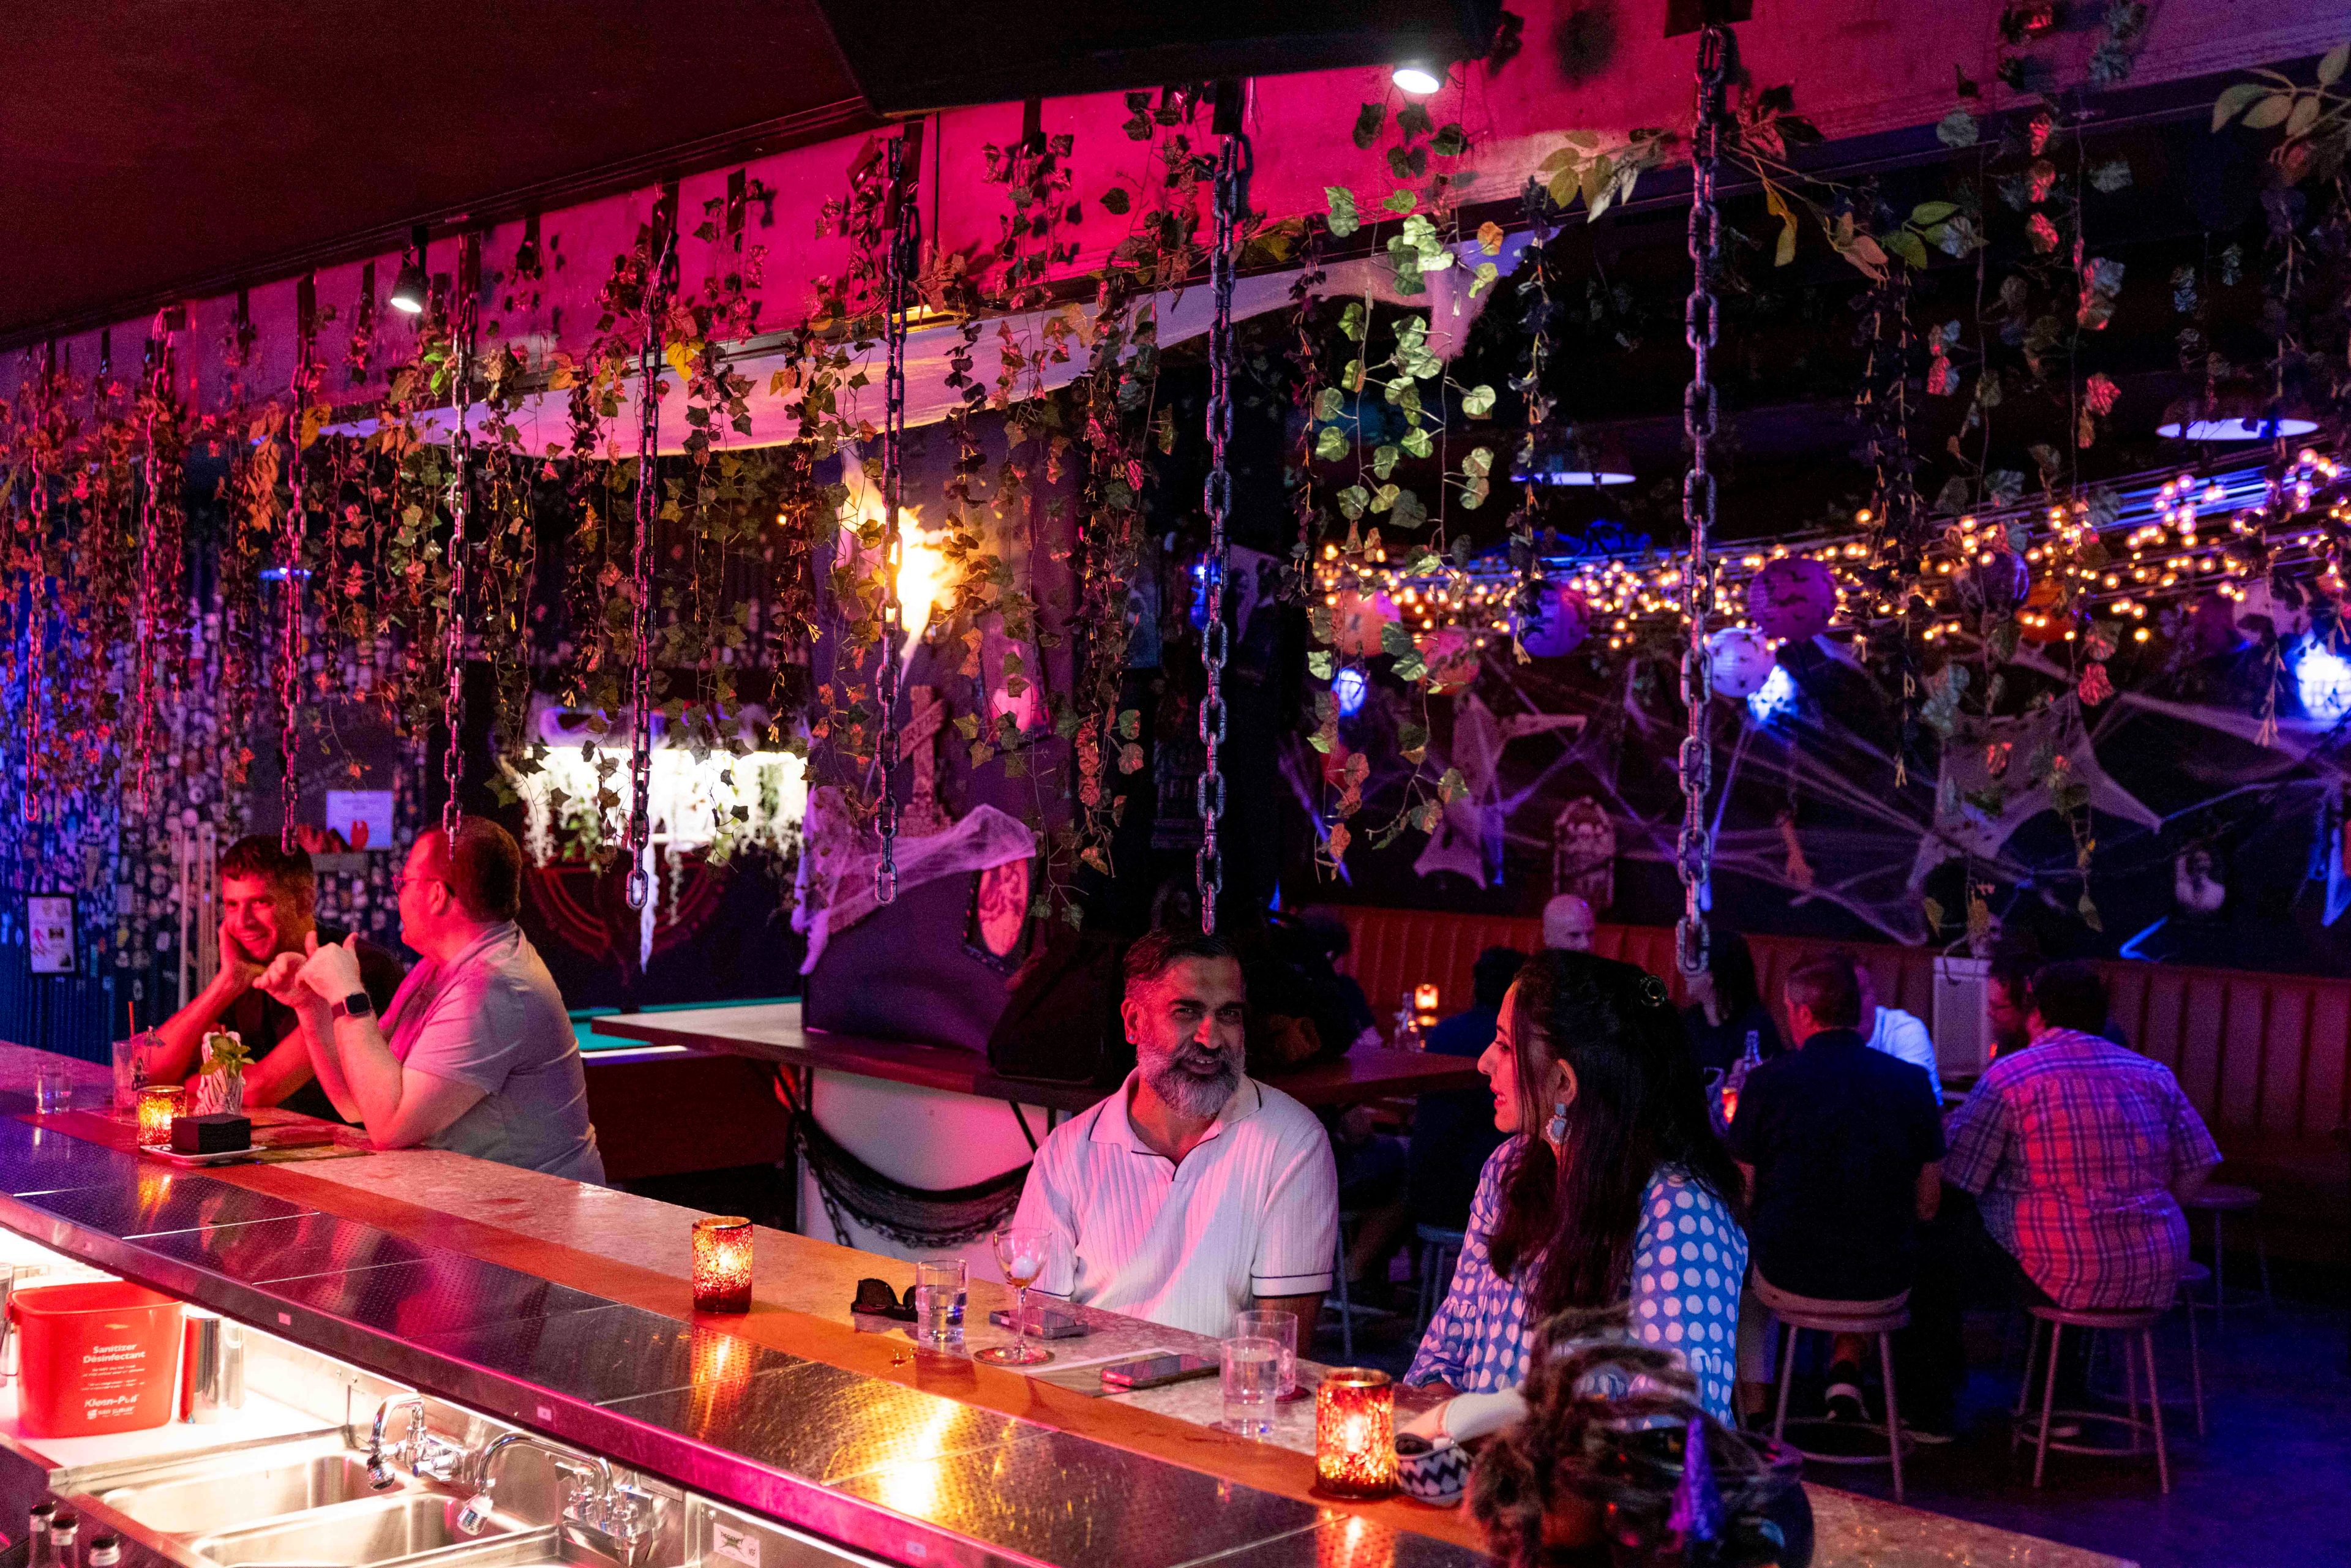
(1432, 1470)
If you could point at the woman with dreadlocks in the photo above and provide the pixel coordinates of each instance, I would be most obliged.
(1612, 1187)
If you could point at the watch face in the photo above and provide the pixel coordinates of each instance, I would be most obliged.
(357, 1005)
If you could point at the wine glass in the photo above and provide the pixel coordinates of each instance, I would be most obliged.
(1022, 1252)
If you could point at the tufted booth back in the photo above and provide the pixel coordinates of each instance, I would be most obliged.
(2260, 1056)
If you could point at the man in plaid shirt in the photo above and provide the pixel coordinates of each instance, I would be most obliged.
(2080, 1150)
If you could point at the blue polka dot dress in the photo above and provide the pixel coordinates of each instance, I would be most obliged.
(1690, 1258)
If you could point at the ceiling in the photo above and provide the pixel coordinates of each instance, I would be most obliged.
(153, 151)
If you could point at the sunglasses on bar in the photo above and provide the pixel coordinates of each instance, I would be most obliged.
(876, 1299)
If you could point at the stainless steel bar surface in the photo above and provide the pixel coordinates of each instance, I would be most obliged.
(890, 1471)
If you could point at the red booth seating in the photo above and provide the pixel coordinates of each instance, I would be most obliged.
(2260, 1056)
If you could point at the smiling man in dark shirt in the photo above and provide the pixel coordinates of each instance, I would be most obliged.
(269, 905)
(1840, 1146)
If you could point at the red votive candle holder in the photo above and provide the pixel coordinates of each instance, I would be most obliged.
(158, 1104)
(722, 1264)
(1423, 998)
(1355, 1433)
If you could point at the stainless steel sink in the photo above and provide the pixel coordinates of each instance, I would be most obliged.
(548, 1548)
(205, 1495)
(350, 1534)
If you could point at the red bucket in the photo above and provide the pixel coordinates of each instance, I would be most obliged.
(93, 1358)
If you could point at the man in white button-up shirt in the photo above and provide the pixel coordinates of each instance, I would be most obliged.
(1192, 1191)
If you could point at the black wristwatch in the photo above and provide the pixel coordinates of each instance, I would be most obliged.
(355, 1006)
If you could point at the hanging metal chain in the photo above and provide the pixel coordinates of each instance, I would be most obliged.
(1534, 289)
(1217, 499)
(463, 328)
(289, 565)
(660, 253)
(900, 260)
(1694, 853)
(158, 367)
(36, 514)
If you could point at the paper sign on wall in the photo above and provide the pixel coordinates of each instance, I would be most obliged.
(345, 808)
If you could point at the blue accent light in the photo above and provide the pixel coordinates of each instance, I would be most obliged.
(2321, 679)
(1351, 687)
(1777, 695)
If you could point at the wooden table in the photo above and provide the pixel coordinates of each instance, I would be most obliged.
(772, 1031)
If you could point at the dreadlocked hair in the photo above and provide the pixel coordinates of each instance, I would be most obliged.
(1584, 1448)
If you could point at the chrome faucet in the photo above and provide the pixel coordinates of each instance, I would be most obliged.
(593, 1497)
(435, 1458)
(583, 1479)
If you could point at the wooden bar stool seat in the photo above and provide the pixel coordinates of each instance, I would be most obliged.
(2137, 1326)
(1800, 1313)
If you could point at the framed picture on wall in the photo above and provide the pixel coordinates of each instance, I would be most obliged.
(49, 929)
(997, 932)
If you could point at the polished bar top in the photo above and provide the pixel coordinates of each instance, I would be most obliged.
(772, 1031)
(568, 1308)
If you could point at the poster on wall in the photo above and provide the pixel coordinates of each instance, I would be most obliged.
(49, 932)
(362, 815)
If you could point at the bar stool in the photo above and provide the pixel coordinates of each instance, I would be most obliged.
(2127, 1322)
(2192, 1275)
(2221, 1199)
(1439, 1248)
(1798, 1313)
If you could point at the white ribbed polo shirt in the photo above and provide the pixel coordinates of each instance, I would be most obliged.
(1252, 1211)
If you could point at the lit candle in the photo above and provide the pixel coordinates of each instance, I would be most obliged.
(1423, 998)
(722, 1264)
(1355, 1433)
(159, 1104)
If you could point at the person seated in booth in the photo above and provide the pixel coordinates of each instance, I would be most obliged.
(1568, 926)
(269, 907)
(1727, 1008)
(1610, 1186)
(1453, 1130)
(1840, 1146)
(476, 1053)
(1192, 1191)
(1903, 1036)
(2080, 1153)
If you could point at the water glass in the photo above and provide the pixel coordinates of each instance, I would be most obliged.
(1280, 1327)
(1251, 1370)
(939, 1287)
(131, 1057)
(52, 1090)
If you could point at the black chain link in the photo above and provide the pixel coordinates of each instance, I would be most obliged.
(158, 367)
(900, 261)
(1693, 852)
(37, 528)
(660, 258)
(460, 453)
(1218, 497)
(289, 566)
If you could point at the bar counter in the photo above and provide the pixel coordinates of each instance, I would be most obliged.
(568, 1308)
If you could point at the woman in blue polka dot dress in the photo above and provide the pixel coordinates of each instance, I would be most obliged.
(1614, 1188)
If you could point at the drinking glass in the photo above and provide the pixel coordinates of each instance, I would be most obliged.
(52, 1090)
(131, 1057)
(938, 1300)
(1023, 1252)
(1251, 1370)
(1280, 1327)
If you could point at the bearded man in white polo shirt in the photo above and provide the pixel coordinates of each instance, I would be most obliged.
(1192, 1192)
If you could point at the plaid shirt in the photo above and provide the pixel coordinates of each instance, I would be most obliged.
(2073, 1145)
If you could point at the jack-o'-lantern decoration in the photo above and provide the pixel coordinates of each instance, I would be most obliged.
(2044, 618)
(1792, 598)
(1357, 619)
(1452, 656)
(1561, 620)
(1739, 660)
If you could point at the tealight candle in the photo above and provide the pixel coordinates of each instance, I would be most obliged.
(1355, 1433)
(1423, 998)
(159, 1104)
(722, 1264)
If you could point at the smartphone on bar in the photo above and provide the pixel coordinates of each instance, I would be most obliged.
(1044, 1322)
(1156, 1371)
